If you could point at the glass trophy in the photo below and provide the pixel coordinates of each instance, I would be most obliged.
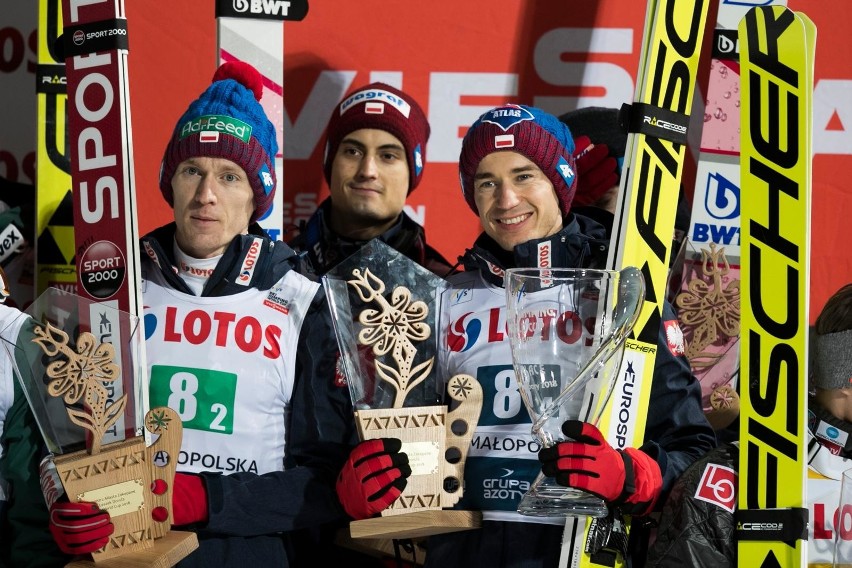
(567, 329)
(387, 312)
(81, 366)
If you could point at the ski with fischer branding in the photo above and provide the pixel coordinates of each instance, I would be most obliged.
(705, 282)
(657, 123)
(776, 62)
(253, 32)
(54, 218)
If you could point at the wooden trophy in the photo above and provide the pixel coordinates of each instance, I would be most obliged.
(389, 356)
(75, 389)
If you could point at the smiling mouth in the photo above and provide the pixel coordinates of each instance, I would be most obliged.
(514, 220)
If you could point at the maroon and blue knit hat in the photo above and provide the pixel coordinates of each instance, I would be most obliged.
(529, 131)
(381, 107)
(227, 121)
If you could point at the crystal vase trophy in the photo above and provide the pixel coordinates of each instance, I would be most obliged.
(81, 366)
(387, 312)
(567, 329)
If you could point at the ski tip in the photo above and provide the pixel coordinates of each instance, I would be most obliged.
(243, 73)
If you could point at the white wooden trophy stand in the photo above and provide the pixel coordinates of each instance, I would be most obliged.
(435, 438)
(121, 477)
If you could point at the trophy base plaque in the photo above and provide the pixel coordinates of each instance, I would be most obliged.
(416, 524)
(546, 498)
(164, 553)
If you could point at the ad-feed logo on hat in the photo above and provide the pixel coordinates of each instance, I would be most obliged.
(372, 96)
(216, 123)
(507, 116)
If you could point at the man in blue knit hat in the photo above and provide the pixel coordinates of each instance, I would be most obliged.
(238, 343)
(518, 174)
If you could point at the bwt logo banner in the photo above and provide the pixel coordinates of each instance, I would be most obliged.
(718, 221)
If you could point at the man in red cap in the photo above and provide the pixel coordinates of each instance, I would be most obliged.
(375, 153)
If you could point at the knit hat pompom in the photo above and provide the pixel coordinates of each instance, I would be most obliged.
(242, 73)
(227, 121)
(381, 107)
(529, 131)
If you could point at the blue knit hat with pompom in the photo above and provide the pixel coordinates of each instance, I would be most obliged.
(227, 121)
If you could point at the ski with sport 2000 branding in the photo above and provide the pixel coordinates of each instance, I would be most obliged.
(642, 236)
(253, 32)
(105, 220)
(776, 60)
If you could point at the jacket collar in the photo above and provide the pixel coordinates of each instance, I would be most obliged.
(582, 243)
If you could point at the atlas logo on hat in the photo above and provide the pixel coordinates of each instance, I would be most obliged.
(507, 116)
(529, 131)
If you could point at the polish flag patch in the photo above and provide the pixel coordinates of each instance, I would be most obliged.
(208, 136)
(504, 141)
(718, 486)
(374, 108)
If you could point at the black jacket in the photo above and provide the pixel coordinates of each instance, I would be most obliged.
(322, 249)
(676, 433)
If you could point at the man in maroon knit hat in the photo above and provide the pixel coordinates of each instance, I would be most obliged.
(374, 157)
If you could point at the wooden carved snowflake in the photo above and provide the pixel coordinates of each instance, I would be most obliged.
(393, 328)
(711, 310)
(80, 374)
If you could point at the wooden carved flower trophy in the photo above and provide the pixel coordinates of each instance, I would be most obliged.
(89, 397)
(391, 354)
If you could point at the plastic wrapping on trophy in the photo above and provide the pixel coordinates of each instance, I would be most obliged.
(387, 318)
(81, 365)
(567, 330)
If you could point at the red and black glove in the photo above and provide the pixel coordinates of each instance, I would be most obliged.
(79, 528)
(373, 477)
(630, 478)
(597, 171)
(189, 500)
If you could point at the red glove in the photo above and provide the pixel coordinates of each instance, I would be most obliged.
(189, 500)
(373, 477)
(630, 479)
(597, 171)
(79, 528)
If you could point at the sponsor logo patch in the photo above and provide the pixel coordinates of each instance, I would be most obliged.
(376, 96)
(507, 116)
(211, 124)
(718, 486)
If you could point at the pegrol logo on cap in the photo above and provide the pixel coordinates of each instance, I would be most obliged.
(372, 97)
(507, 116)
